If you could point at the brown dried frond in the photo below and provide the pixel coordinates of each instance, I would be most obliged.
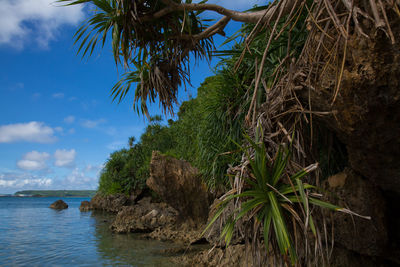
(286, 114)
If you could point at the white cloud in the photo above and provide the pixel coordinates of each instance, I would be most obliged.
(26, 182)
(58, 129)
(58, 95)
(93, 168)
(92, 123)
(69, 119)
(24, 20)
(13, 181)
(64, 158)
(33, 161)
(77, 179)
(117, 145)
(71, 131)
(32, 131)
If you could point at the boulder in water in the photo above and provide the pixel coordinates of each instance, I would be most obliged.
(85, 206)
(59, 205)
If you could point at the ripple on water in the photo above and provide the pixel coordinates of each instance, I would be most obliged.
(31, 234)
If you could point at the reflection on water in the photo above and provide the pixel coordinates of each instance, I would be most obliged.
(31, 234)
(119, 249)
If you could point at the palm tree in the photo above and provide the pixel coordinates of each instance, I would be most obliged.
(131, 141)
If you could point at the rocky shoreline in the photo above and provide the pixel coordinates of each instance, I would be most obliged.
(180, 216)
(183, 207)
(158, 220)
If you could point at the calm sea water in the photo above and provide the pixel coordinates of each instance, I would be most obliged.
(32, 234)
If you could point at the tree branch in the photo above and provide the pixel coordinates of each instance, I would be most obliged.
(210, 31)
(249, 17)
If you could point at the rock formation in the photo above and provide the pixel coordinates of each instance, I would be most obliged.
(59, 205)
(143, 217)
(111, 203)
(179, 184)
(366, 119)
(85, 206)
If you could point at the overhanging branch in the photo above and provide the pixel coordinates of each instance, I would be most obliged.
(269, 14)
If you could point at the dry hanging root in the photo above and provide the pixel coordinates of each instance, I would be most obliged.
(283, 116)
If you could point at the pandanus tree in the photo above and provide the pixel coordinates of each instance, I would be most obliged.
(155, 39)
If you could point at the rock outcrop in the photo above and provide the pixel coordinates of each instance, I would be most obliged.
(85, 206)
(59, 205)
(111, 203)
(366, 119)
(347, 189)
(235, 255)
(143, 217)
(179, 184)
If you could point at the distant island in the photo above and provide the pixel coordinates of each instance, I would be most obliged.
(55, 193)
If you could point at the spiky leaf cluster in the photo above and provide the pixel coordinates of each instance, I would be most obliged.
(154, 51)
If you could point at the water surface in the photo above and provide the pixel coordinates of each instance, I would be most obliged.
(32, 234)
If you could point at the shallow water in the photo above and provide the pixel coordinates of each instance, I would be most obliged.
(32, 234)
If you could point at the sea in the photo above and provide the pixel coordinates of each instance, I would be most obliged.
(32, 234)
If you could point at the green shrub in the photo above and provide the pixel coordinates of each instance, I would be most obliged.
(128, 169)
(274, 199)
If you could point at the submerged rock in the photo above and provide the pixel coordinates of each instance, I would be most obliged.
(179, 184)
(85, 206)
(59, 205)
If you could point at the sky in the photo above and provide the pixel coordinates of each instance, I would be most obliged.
(58, 124)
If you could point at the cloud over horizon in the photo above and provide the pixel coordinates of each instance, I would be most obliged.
(33, 161)
(33, 131)
(78, 178)
(24, 20)
(64, 158)
(20, 181)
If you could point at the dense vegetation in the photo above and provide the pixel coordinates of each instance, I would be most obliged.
(196, 136)
(290, 51)
(208, 125)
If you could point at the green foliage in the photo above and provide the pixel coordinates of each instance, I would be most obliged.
(207, 124)
(221, 122)
(155, 51)
(128, 169)
(273, 198)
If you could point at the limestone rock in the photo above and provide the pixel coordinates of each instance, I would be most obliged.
(366, 237)
(179, 185)
(85, 206)
(59, 205)
(235, 255)
(111, 203)
(366, 113)
(143, 217)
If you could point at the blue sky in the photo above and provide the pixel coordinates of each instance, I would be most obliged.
(57, 122)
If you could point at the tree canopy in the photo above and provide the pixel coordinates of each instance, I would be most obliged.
(155, 40)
